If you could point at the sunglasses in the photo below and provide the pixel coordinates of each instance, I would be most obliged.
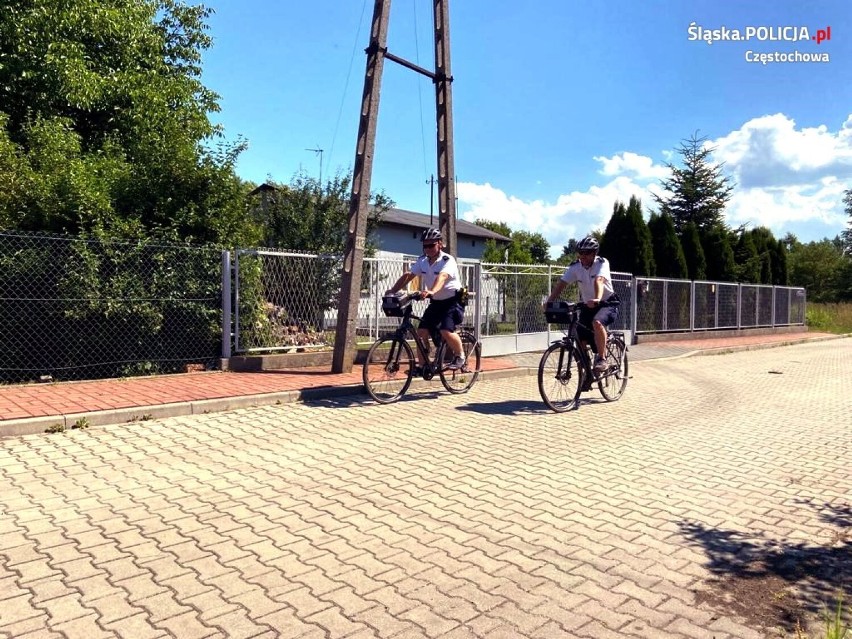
(586, 252)
(429, 245)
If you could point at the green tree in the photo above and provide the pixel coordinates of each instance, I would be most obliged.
(696, 262)
(106, 122)
(816, 266)
(747, 259)
(312, 217)
(846, 235)
(764, 243)
(791, 242)
(668, 252)
(534, 244)
(643, 250)
(616, 237)
(525, 247)
(697, 192)
(780, 271)
(721, 265)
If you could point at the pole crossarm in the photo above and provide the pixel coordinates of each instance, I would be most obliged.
(410, 65)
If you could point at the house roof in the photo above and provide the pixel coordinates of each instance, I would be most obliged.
(410, 219)
(263, 187)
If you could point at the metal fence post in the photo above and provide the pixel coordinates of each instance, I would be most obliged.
(717, 292)
(634, 311)
(739, 306)
(377, 296)
(226, 304)
(774, 288)
(692, 306)
(237, 301)
(477, 301)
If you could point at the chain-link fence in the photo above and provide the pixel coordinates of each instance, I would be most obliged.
(665, 305)
(512, 297)
(287, 301)
(84, 309)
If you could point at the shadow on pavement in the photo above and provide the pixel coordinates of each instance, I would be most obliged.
(348, 401)
(508, 407)
(775, 583)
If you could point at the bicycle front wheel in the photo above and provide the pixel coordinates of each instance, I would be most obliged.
(560, 377)
(460, 380)
(388, 370)
(614, 381)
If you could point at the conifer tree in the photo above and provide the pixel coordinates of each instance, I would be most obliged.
(697, 192)
(668, 252)
(696, 262)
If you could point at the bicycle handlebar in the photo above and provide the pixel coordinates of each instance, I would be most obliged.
(575, 306)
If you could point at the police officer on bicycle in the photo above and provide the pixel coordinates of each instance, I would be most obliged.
(591, 272)
(439, 275)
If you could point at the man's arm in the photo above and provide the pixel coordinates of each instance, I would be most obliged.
(599, 288)
(404, 279)
(556, 292)
(437, 286)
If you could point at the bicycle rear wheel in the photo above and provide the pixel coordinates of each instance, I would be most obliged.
(560, 377)
(614, 381)
(388, 370)
(461, 380)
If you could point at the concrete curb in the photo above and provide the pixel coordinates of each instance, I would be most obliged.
(722, 350)
(73, 421)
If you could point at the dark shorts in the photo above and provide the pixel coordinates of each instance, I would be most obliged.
(444, 315)
(606, 315)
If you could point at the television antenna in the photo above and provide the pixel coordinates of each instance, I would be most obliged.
(318, 151)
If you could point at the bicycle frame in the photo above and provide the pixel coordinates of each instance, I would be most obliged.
(406, 329)
(573, 343)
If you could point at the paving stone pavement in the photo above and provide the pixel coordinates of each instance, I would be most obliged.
(714, 500)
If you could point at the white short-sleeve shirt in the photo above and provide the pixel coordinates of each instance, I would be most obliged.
(429, 273)
(585, 277)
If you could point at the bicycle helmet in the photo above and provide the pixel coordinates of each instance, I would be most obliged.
(588, 243)
(431, 235)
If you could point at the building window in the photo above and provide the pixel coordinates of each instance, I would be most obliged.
(473, 242)
(414, 235)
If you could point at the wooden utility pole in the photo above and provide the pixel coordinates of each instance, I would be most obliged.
(444, 112)
(347, 314)
(359, 202)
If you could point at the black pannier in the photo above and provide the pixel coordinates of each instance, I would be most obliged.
(394, 306)
(560, 312)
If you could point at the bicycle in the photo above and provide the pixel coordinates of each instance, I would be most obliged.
(565, 370)
(390, 364)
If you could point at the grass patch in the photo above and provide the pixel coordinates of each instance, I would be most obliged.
(835, 624)
(829, 318)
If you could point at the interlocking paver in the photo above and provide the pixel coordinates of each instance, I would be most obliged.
(490, 517)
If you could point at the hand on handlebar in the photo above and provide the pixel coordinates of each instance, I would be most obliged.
(424, 294)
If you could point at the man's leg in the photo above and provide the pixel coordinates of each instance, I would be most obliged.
(453, 341)
(603, 318)
(600, 337)
(453, 318)
(426, 338)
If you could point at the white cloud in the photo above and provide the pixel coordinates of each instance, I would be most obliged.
(786, 175)
(770, 151)
(572, 215)
(783, 176)
(641, 166)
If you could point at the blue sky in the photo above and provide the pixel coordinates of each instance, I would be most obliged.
(560, 106)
